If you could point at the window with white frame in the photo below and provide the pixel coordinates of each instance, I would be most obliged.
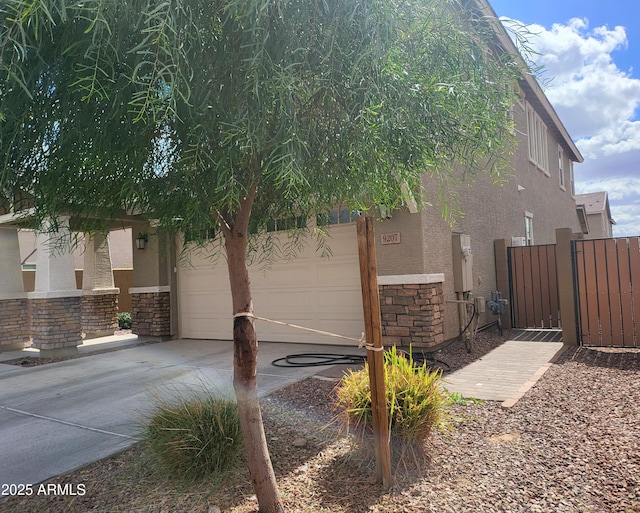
(561, 168)
(537, 133)
(528, 228)
(572, 183)
(519, 103)
(286, 223)
(337, 216)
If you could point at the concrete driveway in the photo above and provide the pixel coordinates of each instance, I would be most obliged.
(58, 417)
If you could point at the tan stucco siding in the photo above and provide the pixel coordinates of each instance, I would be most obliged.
(407, 257)
(599, 226)
(497, 211)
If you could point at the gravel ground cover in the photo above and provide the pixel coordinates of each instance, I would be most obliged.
(571, 444)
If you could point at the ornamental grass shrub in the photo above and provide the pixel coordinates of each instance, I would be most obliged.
(417, 402)
(195, 437)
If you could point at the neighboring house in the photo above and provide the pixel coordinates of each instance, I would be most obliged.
(598, 214)
(425, 266)
(52, 297)
(121, 256)
(119, 242)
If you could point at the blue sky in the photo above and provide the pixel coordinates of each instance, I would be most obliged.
(590, 52)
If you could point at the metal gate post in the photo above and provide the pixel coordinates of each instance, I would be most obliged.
(502, 277)
(566, 289)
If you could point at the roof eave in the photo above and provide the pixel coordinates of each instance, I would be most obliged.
(529, 83)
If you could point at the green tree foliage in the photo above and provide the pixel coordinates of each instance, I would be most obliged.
(178, 108)
(227, 114)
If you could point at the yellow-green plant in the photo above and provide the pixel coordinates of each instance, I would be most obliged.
(416, 400)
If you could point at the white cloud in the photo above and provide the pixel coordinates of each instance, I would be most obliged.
(598, 103)
(618, 188)
(592, 95)
(626, 218)
(617, 138)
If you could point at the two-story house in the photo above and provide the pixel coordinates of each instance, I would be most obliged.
(416, 250)
(598, 214)
(425, 265)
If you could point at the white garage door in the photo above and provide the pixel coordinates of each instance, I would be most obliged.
(312, 291)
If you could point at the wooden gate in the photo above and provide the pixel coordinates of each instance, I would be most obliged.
(607, 283)
(533, 287)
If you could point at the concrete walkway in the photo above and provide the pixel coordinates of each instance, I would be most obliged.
(506, 373)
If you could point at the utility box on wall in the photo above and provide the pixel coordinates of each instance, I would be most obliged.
(462, 263)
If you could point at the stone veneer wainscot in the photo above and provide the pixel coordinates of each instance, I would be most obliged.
(55, 322)
(412, 308)
(14, 322)
(151, 311)
(100, 312)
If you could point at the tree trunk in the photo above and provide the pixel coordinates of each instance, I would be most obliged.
(245, 360)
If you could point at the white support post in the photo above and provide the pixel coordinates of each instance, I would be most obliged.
(55, 269)
(100, 301)
(11, 284)
(14, 325)
(56, 301)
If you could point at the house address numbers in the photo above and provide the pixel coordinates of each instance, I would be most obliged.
(390, 238)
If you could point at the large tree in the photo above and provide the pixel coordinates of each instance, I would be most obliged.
(226, 114)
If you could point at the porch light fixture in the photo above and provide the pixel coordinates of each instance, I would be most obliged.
(141, 240)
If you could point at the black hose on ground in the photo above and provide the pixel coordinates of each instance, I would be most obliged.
(432, 362)
(452, 341)
(322, 359)
(318, 360)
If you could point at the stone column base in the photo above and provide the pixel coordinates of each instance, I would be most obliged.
(100, 312)
(412, 309)
(55, 323)
(14, 323)
(150, 311)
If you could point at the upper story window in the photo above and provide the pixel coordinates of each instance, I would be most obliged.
(338, 216)
(561, 168)
(572, 182)
(202, 235)
(537, 133)
(286, 224)
(528, 228)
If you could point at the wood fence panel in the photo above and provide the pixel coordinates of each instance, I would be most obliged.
(549, 283)
(634, 264)
(583, 305)
(581, 280)
(529, 318)
(593, 323)
(626, 303)
(554, 298)
(536, 287)
(606, 274)
(545, 306)
(613, 284)
(533, 286)
(608, 279)
(516, 259)
(603, 293)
